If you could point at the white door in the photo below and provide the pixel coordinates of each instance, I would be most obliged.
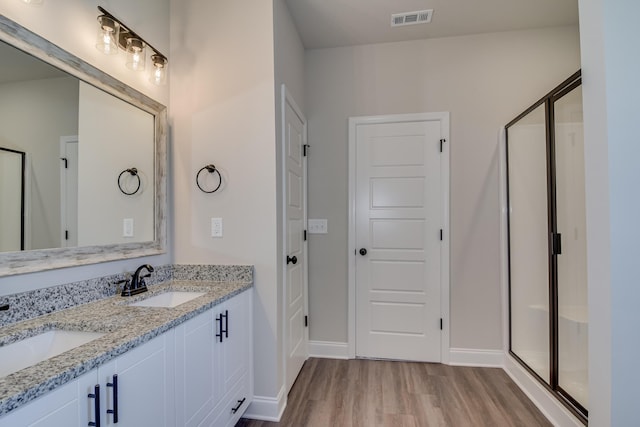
(295, 271)
(399, 216)
(69, 191)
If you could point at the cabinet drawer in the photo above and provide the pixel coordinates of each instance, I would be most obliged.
(224, 415)
(239, 399)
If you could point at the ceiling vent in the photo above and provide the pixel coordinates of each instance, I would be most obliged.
(411, 18)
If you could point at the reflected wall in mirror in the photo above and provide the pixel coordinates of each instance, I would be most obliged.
(75, 130)
(77, 139)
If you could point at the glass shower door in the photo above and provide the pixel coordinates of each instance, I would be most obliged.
(528, 241)
(572, 261)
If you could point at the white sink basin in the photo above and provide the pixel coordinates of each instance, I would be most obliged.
(168, 299)
(33, 350)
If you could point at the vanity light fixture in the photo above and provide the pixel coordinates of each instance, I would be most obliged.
(108, 35)
(136, 54)
(32, 1)
(114, 34)
(159, 71)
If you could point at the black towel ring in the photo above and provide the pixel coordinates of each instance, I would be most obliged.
(133, 172)
(210, 169)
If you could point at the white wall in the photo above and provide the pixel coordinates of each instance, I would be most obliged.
(114, 136)
(149, 18)
(223, 110)
(609, 35)
(484, 81)
(34, 115)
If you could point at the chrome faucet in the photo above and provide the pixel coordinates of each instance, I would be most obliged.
(137, 284)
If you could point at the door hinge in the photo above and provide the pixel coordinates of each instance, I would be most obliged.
(441, 323)
(306, 321)
(305, 235)
(442, 141)
(66, 234)
(305, 147)
(441, 234)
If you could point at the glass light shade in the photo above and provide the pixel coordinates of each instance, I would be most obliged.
(136, 56)
(159, 70)
(107, 38)
(32, 1)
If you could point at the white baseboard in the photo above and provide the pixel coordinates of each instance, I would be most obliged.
(328, 349)
(265, 408)
(552, 408)
(474, 357)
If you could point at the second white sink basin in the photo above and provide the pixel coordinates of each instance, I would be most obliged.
(168, 299)
(33, 350)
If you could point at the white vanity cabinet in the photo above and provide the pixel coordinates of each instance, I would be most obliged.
(68, 405)
(197, 374)
(144, 377)
(144, 393)
(213, 365)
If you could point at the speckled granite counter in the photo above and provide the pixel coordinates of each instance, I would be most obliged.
(125, 327)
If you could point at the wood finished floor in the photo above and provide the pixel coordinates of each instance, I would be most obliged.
(368, 393)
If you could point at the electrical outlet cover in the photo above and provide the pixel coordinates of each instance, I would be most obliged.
(317, 226)
(216, 227)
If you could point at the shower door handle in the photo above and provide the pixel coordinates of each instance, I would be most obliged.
(556, 243)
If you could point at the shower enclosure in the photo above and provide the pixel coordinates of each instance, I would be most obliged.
(547, 244)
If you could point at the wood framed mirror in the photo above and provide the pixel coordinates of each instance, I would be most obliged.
(116, 128)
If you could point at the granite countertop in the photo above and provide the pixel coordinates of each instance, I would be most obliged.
(125, 327)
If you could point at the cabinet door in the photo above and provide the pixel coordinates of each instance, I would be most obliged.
(197, 391)
(235, 347)
(68, 405)
(145, 385)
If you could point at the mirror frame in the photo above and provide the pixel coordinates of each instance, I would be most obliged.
(12, 263)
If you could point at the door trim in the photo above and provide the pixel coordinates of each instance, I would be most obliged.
(443, 117)
(287, 99)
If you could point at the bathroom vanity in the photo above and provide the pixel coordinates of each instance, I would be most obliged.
(186, 365)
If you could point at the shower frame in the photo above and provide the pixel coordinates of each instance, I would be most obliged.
(552, 383)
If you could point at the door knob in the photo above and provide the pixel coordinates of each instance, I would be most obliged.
(292, 259)
(363, 251)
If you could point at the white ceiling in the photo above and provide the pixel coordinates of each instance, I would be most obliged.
(333, 23)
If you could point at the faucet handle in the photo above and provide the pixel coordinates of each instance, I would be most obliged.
(126, 282)
(141, 281)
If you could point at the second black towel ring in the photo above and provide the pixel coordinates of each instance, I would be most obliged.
(133, 172)
(211, 169)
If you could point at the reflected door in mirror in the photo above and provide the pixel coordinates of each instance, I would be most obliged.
(12, 172)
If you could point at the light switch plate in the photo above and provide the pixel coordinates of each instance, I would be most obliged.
(317, 226)
(216, 227)
(127, 227)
